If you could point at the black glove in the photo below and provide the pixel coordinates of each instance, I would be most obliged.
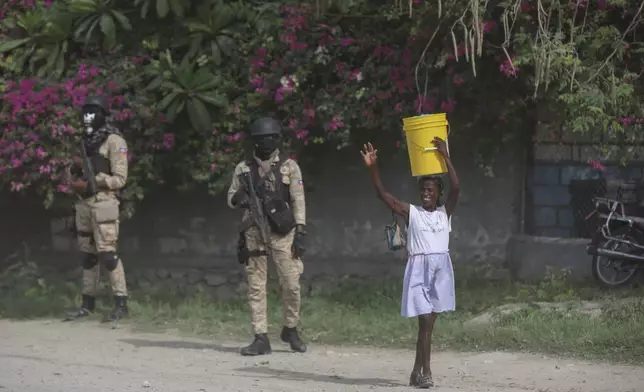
(240, 199)
(298, 241)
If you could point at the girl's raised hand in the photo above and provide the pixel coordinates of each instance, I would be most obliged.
(369, 154)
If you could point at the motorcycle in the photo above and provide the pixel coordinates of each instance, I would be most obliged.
(617, 245)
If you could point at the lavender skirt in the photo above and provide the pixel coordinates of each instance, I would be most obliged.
(428, 286)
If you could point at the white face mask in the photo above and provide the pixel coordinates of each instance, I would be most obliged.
(88, 118)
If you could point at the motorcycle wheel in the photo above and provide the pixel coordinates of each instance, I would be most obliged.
(602, 265)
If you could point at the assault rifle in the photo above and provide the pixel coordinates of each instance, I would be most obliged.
(256, 210)
(88, 171)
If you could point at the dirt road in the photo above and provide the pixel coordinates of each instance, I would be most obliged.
(50, 356)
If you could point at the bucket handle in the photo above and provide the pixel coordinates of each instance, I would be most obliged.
(436, 148)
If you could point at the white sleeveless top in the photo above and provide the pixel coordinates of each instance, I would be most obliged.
(428, 231)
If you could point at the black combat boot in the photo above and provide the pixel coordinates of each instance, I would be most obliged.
(260, 346)
(86, 308)
(290, 336)
(120, 309)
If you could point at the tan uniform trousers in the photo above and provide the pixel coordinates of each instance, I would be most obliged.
(289, 270)
(97, 225)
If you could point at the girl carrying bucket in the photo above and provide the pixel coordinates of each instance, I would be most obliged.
(428, 287)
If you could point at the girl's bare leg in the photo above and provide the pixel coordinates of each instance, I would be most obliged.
(421, 376)
(431, 319)
(420, 351)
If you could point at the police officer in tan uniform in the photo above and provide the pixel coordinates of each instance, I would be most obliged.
(97, 215)
(277, 182)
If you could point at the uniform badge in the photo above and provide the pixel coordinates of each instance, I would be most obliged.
(300, 182)
(123, 150)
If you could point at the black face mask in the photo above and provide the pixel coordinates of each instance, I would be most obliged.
(265, 145)
(93, 119)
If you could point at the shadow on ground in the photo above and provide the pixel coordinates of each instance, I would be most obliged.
(303, 376)
(141, 343)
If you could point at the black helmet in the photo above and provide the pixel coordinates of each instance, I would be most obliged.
(99, 101)
(265, 126)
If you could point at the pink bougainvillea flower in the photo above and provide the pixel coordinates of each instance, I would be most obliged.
(298, 46)
(16, 186)
(335, 123)
(279, 95)
(168, 140)
(356, 75)
(448, 105)
(509, 69)
(301, 134)
(578, 4)
(424, 104)
(233, 138)
(256, 63)
(458, 80)
(628, 121)
(257, 81)
(488, 25)
(62, 188)
(40, 153)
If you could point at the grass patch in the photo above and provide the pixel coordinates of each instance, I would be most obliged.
(367, 313)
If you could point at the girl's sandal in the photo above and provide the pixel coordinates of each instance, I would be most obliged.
(424, 382)
(413, 379)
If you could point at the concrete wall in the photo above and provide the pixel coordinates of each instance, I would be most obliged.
(561, 181)
(530, 256)
(190, 238)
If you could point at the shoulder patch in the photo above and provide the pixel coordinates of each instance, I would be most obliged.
(123, 150)
(300, 182)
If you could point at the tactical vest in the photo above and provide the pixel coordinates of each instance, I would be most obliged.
(276, 201)
(280, 191)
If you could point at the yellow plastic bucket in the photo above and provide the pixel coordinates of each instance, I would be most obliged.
(420, 131)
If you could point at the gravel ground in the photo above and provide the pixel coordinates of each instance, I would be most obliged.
(51, 356)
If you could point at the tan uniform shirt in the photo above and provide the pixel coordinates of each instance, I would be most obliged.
(115, 150)
(291, 177)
